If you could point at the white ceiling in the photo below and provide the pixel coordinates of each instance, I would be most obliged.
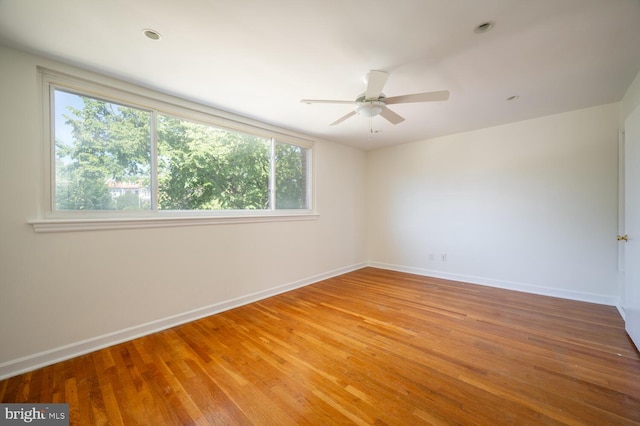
(259, 58)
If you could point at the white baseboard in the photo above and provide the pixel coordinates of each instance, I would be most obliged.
(507, 285)
(621, 310)
(31, 362)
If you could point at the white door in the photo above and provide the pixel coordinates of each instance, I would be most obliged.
(632, 225)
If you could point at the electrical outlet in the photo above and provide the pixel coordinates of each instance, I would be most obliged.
(432, 257)
(443, 257)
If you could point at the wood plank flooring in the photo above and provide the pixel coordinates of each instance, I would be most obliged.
(368, 347)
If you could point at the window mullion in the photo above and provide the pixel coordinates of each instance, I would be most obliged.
(154, 160)
(272, 176)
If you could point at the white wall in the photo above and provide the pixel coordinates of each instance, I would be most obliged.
(63, 288)
(529, 205)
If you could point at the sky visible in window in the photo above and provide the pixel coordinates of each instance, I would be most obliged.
(63, 101)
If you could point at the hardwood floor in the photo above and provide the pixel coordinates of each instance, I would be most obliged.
(368, 347)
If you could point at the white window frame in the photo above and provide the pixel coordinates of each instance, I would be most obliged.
(111, 90)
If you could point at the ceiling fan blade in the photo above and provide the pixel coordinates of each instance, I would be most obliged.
(325, 101)
(341, 119)
(375, 83)
(391, 116)
(442, 95)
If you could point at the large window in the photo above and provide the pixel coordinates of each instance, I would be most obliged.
(118, 155)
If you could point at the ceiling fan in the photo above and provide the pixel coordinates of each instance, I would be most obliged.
(373, 102)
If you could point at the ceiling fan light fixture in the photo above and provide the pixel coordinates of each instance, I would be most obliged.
(369, 109)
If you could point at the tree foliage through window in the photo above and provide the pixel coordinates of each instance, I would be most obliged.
(103, 153)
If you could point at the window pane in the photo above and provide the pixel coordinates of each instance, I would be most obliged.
(201, 167)
(291, 176)
(102, 154)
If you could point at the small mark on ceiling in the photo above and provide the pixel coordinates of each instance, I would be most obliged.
(485, 27)
(151, 34)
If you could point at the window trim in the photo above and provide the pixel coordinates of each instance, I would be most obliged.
(100, 224)
(111, 90)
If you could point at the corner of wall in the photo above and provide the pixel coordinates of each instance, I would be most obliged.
(630, 100)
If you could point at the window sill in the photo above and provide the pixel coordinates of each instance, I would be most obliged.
(100, 224)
